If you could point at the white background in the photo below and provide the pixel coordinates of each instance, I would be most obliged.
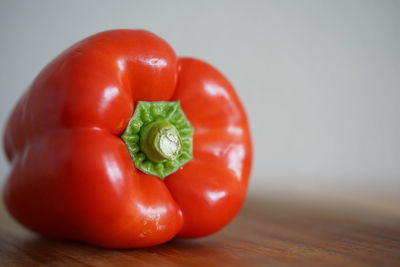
(320, 79)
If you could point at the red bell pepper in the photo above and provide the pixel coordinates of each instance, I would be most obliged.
(84, 168)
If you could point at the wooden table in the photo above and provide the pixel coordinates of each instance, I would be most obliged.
(267, 232)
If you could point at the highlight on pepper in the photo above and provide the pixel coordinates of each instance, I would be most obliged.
(119, 143)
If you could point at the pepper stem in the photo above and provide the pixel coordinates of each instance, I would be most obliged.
(160, 141)
(159, 137)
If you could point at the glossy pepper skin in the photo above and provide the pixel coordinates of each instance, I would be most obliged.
(72, 176)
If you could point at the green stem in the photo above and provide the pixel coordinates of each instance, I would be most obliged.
(160, 141)
(159, 138)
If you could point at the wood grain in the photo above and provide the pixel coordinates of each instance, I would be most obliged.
(267, 232)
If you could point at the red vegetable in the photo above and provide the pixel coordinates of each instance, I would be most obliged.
(75, 148)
